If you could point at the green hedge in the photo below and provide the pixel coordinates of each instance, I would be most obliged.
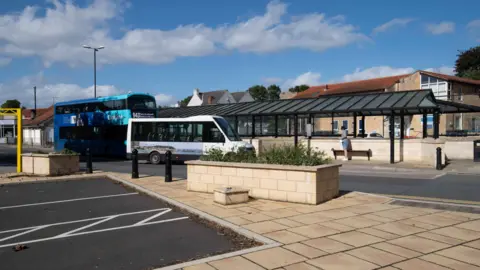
(284, 155)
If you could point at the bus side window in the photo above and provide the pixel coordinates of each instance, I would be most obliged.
(212, 133)
(197, 132)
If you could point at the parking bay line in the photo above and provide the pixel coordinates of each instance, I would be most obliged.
(70, 233)
(83, 220)
(71, 200)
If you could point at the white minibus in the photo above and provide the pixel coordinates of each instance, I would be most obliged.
(187, 138)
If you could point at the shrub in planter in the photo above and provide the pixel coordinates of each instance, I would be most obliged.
(283, 155)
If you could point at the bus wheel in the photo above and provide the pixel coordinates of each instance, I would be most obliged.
(155, 158)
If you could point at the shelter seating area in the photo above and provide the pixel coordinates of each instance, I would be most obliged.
(274, 118)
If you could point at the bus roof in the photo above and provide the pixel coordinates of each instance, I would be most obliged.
(98, 99)
(197, 118)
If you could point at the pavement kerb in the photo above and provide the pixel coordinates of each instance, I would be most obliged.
(58, 178)
(267, 242)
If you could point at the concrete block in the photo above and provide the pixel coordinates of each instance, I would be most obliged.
(227, 196)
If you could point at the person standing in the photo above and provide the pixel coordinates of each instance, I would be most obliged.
(345, 143)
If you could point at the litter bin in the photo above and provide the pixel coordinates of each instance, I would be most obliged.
(476, 151)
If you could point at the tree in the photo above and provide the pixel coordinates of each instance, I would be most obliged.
(258, 92)
(184, 102)
(11, 103)
(274, 92)
(468, 63)
(299, 88)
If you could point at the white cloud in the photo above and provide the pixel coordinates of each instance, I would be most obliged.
(400, 22)
(376, 72)
(47, 93)
(5, 61)
(443, 69)
(57, 34)
(441, 28)
(163, 99)
(474, 29)
(308, 78)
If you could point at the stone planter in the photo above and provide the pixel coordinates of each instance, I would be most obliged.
(299, 184)
(50, 164)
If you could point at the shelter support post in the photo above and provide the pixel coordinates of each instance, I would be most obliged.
(310, 123)
(276, 126)
(236, 124)
(424, 126)
(333, 126)
(402, 126)
(436, 125)
(295, 130)
(354, 125)
(362, 126)
(253, 126)
(392, 138)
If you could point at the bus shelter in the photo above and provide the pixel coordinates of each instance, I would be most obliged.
(389, 104)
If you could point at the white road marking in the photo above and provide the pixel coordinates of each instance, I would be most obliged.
(87, 226)
(72, 200)
(152, 217)
(22, 233)
(91, 232)
(82, 220)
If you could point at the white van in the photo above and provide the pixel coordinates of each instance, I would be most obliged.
(187, 138)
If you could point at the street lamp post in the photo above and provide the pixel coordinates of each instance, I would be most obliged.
(95, 50)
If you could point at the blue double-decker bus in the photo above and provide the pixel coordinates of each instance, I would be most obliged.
(99, 123)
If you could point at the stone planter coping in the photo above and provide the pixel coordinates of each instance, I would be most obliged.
(231, 190)
(263, 166)
(47, 155)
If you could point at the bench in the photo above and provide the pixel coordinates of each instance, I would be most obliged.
(357, 153)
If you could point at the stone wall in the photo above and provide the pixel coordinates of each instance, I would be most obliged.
(309, 185)
(48, 164)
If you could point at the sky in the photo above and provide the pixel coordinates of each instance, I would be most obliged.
(169, 48)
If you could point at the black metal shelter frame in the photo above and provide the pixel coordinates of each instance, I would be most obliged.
(391, 104)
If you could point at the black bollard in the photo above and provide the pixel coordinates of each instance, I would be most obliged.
(89, 161)
(134, 163)
(439, 158)
(168, 166)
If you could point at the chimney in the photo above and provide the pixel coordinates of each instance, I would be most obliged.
(326, 87)
(196, 92)
(210, 100)
(33, 114)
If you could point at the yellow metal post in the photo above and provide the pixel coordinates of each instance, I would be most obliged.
(18, 113)
(19, 140)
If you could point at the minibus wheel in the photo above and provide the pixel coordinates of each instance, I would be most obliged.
(155, 158)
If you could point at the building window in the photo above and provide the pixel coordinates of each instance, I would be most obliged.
(439, 87)
(345, 124)
(360, 125)
(460, 94)
(335, 126)
(458, 122)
